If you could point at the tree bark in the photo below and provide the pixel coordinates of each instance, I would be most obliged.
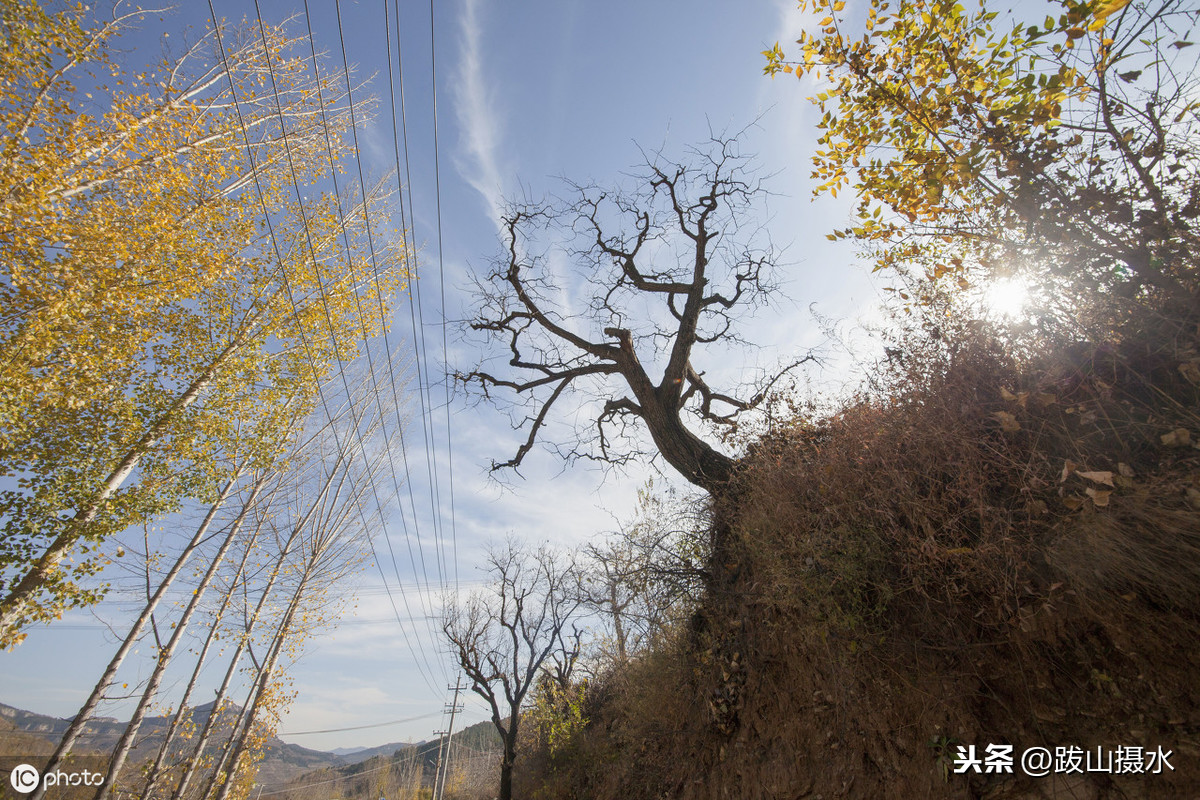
(690, 455)
(507, 761)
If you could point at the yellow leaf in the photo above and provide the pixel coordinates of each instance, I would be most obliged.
(1106, 8)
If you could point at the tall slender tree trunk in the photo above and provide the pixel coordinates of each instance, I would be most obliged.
(618, 610)
(324, 522)
(154, 774)
(125, 744)
(88, 709)
(232, 760)
(210, 723)
(206, 731)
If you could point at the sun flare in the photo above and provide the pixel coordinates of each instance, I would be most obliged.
(1008, 297)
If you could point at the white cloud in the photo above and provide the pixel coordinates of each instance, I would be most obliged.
(477, 117)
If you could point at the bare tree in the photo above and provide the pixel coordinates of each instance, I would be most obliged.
(646, 576)
(669, 268)
(502, 636)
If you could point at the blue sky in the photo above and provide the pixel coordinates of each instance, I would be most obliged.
(527, 92)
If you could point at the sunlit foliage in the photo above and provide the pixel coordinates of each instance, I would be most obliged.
(165, 301)
(1065, 146)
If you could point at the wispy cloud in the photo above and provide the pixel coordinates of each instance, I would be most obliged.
(477, 117)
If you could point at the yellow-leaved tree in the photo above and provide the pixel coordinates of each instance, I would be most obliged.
(1065, 147)
(160, 275)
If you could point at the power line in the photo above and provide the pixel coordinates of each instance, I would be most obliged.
(416, 306)
(362, 727)
(437, 172)
(371, 246)
(357, 299)
(329, 321)
(278, 253)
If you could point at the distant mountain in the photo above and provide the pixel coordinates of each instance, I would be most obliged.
(281, 761)
(394, 769)
(346, 751)
(283, 764)
(363, 753)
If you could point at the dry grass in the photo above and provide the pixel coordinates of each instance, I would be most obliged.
(983, 551)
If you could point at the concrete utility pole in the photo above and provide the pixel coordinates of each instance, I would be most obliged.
(439, 778)
(437, 771)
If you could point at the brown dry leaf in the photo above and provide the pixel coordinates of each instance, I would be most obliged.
(1190, 370)
(1180, 437)
(1125, 470)
(1019, 399)
(1008, 423)
(1099, 496)
(1068, 467)
(1072, 501)
(1044, 399)
(1097, 477)
(1193, 498)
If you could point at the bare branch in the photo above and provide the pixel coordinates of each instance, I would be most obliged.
(659, 273)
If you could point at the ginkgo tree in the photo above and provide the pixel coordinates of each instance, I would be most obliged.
(160, 270)
(980, 143)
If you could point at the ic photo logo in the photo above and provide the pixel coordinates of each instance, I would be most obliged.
(24, 778)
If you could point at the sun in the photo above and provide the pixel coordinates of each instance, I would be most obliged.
(1008, 297)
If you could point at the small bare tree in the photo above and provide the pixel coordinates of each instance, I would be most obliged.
(503, 635)
(666, 269)
(646, 576)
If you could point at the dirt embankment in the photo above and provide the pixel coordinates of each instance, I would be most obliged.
(994, 553)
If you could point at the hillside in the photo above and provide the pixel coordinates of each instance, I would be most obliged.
(990, 555)
(402, 772)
